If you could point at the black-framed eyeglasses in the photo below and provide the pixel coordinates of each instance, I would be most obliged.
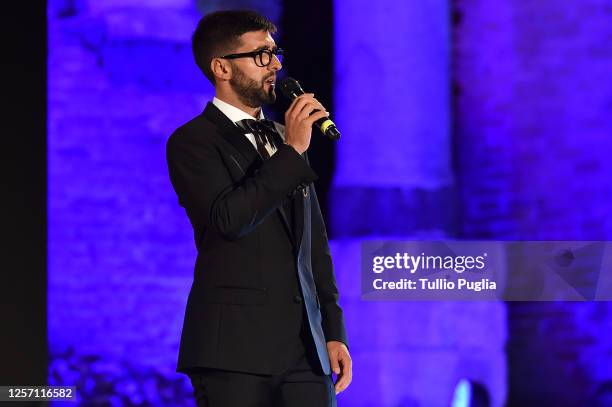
(262, 57)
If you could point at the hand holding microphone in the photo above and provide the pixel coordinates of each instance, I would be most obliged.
(304, 112)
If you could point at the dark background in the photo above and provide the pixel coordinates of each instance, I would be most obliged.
(24, 319)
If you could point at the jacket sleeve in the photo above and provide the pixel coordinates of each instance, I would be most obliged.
(323, 271)
(212, 199)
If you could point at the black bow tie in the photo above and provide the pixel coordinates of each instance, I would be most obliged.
(264, 132)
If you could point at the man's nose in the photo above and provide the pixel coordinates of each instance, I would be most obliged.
(275, 65)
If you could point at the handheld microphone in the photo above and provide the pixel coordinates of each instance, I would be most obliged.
(291, 89)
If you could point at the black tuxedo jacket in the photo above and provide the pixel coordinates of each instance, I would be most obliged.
(246, 305)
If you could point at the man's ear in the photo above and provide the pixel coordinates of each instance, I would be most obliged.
(221, 69)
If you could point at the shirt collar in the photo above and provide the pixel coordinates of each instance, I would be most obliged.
(232, 112)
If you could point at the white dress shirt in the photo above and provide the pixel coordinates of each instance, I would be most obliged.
(235, 115)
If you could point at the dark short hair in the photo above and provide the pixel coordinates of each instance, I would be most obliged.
(219, 33)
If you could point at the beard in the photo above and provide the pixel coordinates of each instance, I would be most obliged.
(251, 92)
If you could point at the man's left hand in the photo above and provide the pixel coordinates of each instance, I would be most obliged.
(341, 364)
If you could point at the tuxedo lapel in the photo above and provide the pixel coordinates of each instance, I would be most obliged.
(248, 154)
(232, 134)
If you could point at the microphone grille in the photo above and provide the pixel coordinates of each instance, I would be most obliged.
(290, 88)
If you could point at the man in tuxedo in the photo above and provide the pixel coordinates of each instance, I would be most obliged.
(262, 324)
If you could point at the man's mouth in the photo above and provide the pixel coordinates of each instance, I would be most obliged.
(270, 81)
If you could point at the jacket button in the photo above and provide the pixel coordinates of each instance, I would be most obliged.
(297, 299)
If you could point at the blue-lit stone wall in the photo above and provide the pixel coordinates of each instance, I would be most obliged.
(392, 101)
(121, 78)
(533, 119)
(395, 179)
(533, 130)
